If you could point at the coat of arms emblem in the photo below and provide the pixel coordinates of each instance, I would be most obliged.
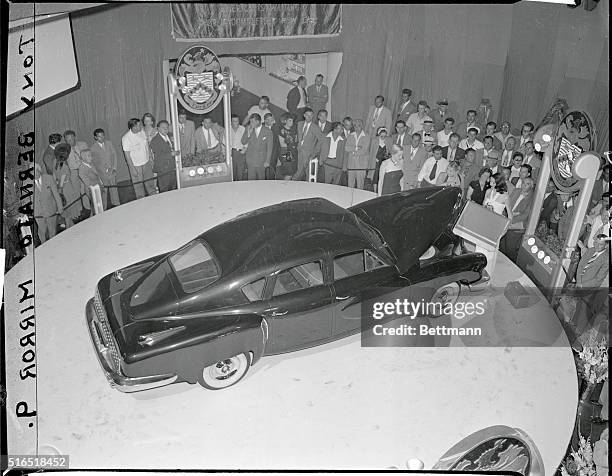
(196, 72)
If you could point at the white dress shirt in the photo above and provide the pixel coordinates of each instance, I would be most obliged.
(506, 158)
(443, 138)
(333, 145)
(236, 137)
(428, 165)
(302, 102)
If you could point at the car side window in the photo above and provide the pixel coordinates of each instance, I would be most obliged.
(348, 264)
(358, 262)
(254, 291)
(300, 277)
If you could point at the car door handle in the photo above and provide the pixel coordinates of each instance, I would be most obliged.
(276, 314)
(342, 298)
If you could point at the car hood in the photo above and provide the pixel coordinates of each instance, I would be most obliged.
(411, 221)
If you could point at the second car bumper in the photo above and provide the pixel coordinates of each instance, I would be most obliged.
(115, 377)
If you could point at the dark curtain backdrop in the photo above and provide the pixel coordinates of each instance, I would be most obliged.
(519, 56)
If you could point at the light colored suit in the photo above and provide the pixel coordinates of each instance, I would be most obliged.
(413, 163)
(383, 119)
(317, 97)
(332, 167)
(358, 158)
(47, 205)
(186, 138)
(258, 153)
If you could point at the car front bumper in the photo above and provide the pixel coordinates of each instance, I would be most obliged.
(113, 373)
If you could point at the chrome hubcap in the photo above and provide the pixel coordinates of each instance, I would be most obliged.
(224, 369)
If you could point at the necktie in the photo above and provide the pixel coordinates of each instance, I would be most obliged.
(376, 114)
(102, 145)
(399, 140)
(304, 130)
(318, 89)
(451, 155)
(207, 137)
(434, 169)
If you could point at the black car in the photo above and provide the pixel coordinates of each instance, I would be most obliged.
(278, 279)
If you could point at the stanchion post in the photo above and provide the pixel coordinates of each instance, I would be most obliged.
(176, 141)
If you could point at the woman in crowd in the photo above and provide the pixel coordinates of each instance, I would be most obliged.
(68, 185)
(478, 188)
(452, 177)
(380, 150)
(390, 173)
(148, 126)
(497, 197)
(288, 139)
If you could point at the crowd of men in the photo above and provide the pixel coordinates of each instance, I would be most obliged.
(413, 146)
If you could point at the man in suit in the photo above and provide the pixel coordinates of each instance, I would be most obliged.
(209, 139)
(318, 95)
(89, 178)
(186, 134)
(406, 106)
(482, 154)
(357, 151)
(325, 126)
(469, 167)
(347, 127)
(471, 120)
(48, 157)
(531, 158)
(594, 267)
(379, 115)
(440, 114)
(452, 152)
(526, 136)
(508, 152)
(259, 142)
(415, 156)
(309, 143)
(332, 154)
(401, 136)
(521, 202)
(297, 99)
(105, 163)
(273, 127)
(47, 204)
(489, 131)
(165, 164)
(503, 134)
(416, 119)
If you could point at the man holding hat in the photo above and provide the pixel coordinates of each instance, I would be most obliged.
(416, 119)
(406, 106)
(428, 133)
(441, 114)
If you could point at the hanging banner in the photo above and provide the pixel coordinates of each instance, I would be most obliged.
(239, 21)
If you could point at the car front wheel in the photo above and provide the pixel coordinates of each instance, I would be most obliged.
(224, 373)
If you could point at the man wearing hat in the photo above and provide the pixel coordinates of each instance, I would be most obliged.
(440, 114)
(406, 106)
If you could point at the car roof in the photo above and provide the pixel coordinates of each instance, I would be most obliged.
(284, 233)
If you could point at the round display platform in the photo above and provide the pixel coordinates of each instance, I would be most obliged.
(336, 406)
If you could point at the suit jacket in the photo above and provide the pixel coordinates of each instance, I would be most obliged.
(461, 128)
(412, 166)
(317, 100)
(293, 99)
(521, 148)
(326, 129)
(594, 275)
(459, 155)
(186, 138)
(259, 149)
(162, 150)
(383, 120)
(89, 176)
(275, 145)
(439, 120)
(48, 160)
(536, 165)
(309, 145)
(340, 152)
(404, 113)
(47, 200)
(405, 142)
(357, 151)
(104, 160)
(521, 213)
(200, 138)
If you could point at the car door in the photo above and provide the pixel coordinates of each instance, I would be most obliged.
(300, 307)
(358, 275)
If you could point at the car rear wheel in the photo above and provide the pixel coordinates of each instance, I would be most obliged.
(444, 295)
(224, 373)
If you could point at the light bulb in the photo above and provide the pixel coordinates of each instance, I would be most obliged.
(200, 170)
(534, 249)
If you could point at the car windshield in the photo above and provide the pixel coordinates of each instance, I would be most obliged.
(194, 266)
